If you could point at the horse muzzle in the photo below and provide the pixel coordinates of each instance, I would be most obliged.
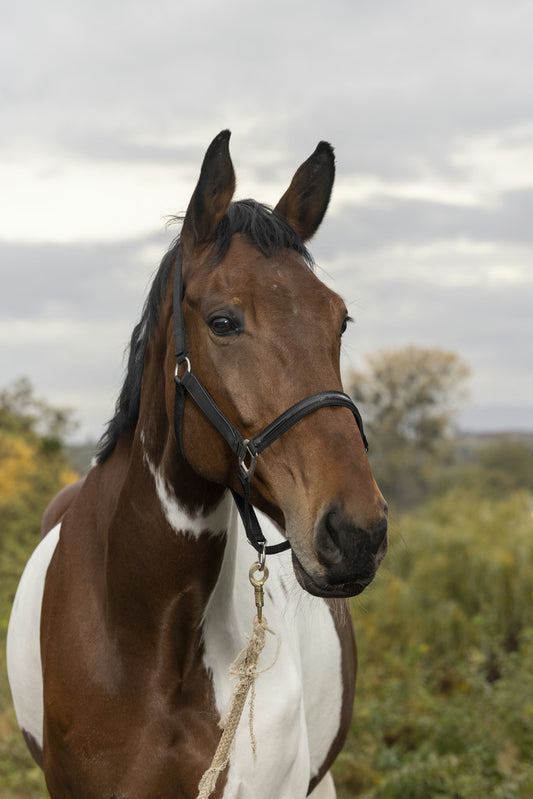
(347, 556)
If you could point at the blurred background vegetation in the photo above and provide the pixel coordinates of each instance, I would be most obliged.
(444, 703)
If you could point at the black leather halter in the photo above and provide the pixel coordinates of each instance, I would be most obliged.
(246, 450)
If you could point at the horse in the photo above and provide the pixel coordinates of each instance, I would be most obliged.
(231, 428)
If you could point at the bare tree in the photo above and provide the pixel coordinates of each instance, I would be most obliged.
(409, 398)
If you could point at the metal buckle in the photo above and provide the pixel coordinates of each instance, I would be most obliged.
(187, 362)
(247, 469)
(262, 559)
(259, 583)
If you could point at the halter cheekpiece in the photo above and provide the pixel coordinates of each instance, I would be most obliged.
(246, 450)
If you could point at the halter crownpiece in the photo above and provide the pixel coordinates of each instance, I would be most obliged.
(247, 450)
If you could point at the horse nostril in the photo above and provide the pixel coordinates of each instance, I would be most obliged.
(378, 535)
(328, 540)
(338, 540)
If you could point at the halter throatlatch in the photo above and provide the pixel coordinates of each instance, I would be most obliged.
(246, 450)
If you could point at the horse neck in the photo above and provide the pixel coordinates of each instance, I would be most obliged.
(167, 535)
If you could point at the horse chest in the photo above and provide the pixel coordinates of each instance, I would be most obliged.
(299, 692)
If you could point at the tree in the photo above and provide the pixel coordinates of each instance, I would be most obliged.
(21, 412)
(408, 398)
(33, 461)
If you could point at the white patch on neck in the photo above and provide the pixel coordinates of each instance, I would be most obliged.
(183, 522)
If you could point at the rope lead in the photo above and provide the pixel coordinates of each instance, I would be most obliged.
(244, 667)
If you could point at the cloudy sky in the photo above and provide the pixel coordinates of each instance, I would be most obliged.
(108, 106)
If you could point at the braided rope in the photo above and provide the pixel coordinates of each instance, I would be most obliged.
(244, 667)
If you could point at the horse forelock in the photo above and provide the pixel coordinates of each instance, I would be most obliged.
(263, 228)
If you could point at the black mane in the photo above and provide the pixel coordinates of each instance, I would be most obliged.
(265, 230)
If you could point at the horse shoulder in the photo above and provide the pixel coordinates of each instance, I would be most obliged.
(24, 632)
(56, 509)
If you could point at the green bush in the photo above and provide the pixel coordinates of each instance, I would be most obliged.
(444, 706)
(33, 467)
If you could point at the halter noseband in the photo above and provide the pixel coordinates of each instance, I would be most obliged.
(247, 450)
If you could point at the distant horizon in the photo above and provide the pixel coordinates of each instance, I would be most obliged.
(480, 421)
(497, 419)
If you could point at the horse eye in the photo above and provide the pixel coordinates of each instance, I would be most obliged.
(345, 324)
(223, 326)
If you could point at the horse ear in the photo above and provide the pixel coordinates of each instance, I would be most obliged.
(305, 202)
(212, 195)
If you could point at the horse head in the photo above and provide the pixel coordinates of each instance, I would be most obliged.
(263, 333)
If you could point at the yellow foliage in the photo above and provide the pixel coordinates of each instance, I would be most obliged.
(17, 465)
(28, 474)
(67, 476)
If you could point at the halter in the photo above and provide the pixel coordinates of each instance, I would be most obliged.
(246, 450)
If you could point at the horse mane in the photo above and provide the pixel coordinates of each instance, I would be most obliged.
(264, 229)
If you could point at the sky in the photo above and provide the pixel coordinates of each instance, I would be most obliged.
(107, 109)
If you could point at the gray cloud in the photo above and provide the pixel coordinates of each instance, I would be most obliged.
(388, 84)
(397, 89)
(86, 281)
(387, 221)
